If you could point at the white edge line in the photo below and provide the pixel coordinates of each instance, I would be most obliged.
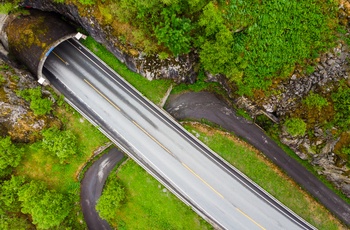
(199, 143)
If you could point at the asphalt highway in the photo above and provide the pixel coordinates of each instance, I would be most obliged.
(215, 190)
(207, 106)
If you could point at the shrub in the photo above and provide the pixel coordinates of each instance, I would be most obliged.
(2, 80)
(10, 154)
(61, 143)
(295, 126)
(110, 201)
(174, 32)
(6, 7)
(314, 100)
(39, 105)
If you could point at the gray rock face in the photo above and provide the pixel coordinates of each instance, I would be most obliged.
(16, 118)
(319, 150)
(179, 69)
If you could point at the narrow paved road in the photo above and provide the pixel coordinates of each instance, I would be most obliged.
(92, 185)
(208, 106)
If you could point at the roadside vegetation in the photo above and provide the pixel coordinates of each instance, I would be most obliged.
(295, 126)
(153, 90)
(147, 204)
(252, 163)
(38, 180)
(253, 44)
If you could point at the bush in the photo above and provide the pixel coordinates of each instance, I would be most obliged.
(110, 201)
(314, 100)
(39, 105)
(61, 143)
(10, 154)
(2, 80)
(6, 7)
(173, 32)
(295, 126)
(47, 208)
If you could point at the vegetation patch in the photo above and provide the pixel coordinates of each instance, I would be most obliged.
(251, 42)
(148, 204)
(295, 126)
(153, 90)
(38, 103)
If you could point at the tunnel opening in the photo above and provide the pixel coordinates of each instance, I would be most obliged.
(32, 38)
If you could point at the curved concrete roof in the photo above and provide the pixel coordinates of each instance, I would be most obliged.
(32, 37)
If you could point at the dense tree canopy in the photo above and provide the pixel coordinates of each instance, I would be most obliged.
(10, 155)
(47, 208)
(251, 42)
(61, 143)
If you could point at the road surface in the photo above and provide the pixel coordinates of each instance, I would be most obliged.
(92, 186)
(206, 105)
(219, 193)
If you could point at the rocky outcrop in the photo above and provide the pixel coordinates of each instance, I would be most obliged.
(332, 67)
(179, 69)
(17, 120)
(317, 148)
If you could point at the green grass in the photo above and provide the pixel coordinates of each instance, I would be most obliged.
(153, 90)
(38, 164)
(255, 166)
(149, 205)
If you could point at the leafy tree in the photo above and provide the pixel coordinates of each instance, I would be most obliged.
(174, 32)
(10, 155)
(110, 201)
(62, 143)
(216, 56)
(211, 20)
(47, 208)
(295, 126)
(9, 193)
(39, 105)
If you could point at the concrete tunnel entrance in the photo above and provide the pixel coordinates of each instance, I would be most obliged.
(31, 38)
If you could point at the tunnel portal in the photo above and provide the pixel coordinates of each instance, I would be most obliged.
(31, 38)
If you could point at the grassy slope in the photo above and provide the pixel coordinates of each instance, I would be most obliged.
(150, 206)
(38, 164)
(153, 90)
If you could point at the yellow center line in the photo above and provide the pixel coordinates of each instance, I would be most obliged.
(66, 63)
(155, 140)
(110, 102)
(202, 180)
(250, 219)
